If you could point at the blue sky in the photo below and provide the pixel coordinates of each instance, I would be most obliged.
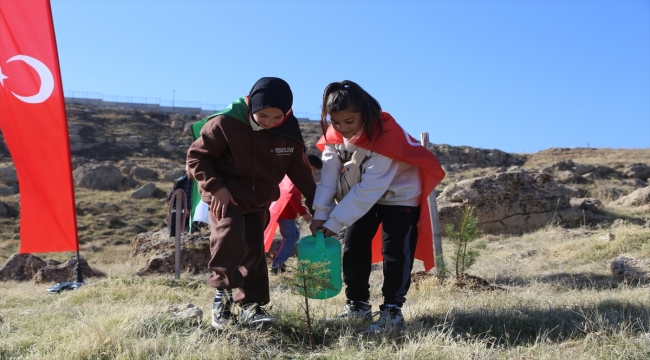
(520, 76)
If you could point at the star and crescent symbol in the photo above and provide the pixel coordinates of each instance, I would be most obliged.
(47, 79)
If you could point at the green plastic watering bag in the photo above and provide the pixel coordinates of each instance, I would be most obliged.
(319, 248)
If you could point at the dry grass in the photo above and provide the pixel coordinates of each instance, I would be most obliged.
(559, 299)
(559, 302)
(593, 156)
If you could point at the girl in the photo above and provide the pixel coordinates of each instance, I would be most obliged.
(239, 158)
(397, 176)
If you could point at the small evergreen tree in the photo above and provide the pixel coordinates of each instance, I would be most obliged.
(464, 256)
(308, 279)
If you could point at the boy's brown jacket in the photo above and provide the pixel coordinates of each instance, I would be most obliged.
(250, 164)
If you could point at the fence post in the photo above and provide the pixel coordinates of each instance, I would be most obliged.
(435, 220)
(180, 200)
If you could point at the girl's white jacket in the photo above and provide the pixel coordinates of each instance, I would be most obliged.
(384, 181)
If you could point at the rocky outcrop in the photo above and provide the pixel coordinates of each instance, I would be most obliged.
(188, 313)
(637, 171)
(8, 174)
(638, 198)
(7, 190)
(143, 173)
(465, 155)
(167, 145)
(569, 172)
(631, 270)
(156, 250)
(145, 191)
(131, 141)
(8, 180)
(78, 161)
(21, 267)
(171, 175)
(111, 221)
(514, 203)
(56, 273)
(76, 140)
(98, 177)
(125, 166)
(591, 204)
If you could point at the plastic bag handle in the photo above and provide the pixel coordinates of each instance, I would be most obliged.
(320, 242)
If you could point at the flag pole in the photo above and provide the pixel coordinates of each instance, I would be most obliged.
(435, 221)
(181, 211)
(77, 269)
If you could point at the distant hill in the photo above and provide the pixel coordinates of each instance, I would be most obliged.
(149, 146)
(114, 134)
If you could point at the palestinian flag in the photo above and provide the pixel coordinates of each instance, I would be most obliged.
(237, 110)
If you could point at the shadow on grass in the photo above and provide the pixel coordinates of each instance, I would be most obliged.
(574, 281)
(503, 327)
(518, 326)
(508, 326)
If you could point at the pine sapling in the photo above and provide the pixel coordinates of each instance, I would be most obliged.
(468, 231)
(308, 279)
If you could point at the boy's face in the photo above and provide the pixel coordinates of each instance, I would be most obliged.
(268, 117)
(314, 170)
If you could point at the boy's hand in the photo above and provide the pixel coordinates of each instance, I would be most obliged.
(220, 201)
(315, 226)
(307, 217)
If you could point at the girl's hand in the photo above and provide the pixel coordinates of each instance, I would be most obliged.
(220, 201)
(327, 231)
(307, 217)
(315, 226)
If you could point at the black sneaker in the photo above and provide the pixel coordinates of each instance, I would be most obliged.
(221, 315)
(253, 315)
(355, 310)
(279, 270)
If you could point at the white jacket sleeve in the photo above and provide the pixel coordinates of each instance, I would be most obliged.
(326, 188)
(379, 173)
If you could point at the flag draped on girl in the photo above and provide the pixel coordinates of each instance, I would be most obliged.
(397, 144)
(34, 126)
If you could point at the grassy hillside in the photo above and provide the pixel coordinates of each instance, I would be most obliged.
(557, 301)
(554, 296)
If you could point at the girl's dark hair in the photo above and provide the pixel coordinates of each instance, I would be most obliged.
(347, 95)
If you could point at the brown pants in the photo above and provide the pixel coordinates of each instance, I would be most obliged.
(238, 259)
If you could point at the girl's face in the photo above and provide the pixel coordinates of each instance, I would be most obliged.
(268, 117)
(347, 122)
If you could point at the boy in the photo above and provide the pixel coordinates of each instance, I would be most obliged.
(240, 157)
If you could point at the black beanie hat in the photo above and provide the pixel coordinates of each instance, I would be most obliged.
(270, 92)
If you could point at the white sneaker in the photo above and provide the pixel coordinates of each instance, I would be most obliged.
(355, 310)
(390, 318)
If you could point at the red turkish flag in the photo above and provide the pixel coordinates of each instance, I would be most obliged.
(33, 122)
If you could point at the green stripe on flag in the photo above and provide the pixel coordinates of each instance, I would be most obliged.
(237, 110)
(196, 198)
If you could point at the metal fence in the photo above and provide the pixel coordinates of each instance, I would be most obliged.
(99, 99)
(142, 100)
